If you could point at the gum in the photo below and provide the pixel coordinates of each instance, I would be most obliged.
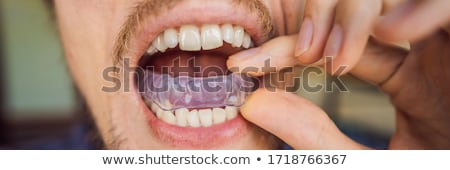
(172, 93)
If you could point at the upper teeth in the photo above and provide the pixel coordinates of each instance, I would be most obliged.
(207, 37)
(196, 117)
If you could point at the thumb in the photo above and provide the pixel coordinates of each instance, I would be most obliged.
(295, 120)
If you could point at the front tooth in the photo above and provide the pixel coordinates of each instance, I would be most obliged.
(181, 115)
(211, 37)
(238, 36)
(189, 38)
(171, 37)
(219, 115)
(159, 44)
(193, 119)
(205, 117)
(247, 41)
(168, 117)
(231, 112)
(227, 33)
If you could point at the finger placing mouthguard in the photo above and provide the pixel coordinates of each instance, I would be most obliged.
(172, 93)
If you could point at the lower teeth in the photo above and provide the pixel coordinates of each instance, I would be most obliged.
(195, 117)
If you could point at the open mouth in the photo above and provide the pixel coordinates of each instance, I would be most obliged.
(189, 96)
(186, 82)
(187, 85)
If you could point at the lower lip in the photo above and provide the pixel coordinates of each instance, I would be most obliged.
(196, 138)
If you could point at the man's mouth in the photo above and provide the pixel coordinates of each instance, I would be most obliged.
(188, 47)
(186, 83)
(185, 96)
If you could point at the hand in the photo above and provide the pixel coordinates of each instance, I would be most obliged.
(417, 80)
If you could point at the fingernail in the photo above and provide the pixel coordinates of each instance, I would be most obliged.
(304, 37)
(241, 57)
(334, 42)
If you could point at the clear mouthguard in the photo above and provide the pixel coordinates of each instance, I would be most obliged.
(172, 93)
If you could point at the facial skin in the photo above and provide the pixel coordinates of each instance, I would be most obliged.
(95, 34)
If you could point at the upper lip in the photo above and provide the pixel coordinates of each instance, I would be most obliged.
(210, 12)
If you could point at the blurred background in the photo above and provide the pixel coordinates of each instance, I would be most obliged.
(39, 105)
(40, 108)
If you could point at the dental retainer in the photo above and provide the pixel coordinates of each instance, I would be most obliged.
(171, 93)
